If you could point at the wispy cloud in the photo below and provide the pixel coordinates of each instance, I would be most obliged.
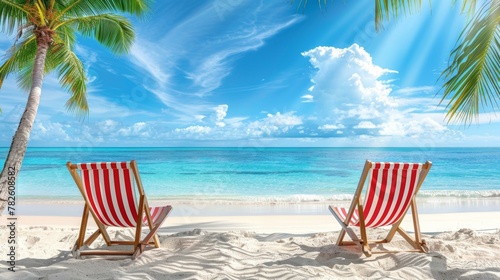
(420, 89)
(217, 64)
(307, 98)
(188, 60)
(155, 63)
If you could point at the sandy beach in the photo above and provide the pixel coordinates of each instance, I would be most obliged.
(462, 245)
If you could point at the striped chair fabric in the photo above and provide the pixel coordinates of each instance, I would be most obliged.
(111, 191)
(391, 187)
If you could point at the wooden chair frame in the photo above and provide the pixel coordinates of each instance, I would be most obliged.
(143, 213)
(417, 242)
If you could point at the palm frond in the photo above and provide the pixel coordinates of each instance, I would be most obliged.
(69, 68)
(95, 7)
(113, 31)
(20, 56)
(26, 64)
(473, 76)
(25, 75)
(8, 67)
(385, 9)
(25, 61)
(12, 15)
(468, 7)
(66, 35)
(72, 77)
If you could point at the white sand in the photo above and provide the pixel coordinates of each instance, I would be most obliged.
(462, 246)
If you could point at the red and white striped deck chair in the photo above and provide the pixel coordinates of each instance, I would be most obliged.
(391, 191)
(114, 196)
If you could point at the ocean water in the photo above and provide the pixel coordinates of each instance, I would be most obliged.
(261, 174)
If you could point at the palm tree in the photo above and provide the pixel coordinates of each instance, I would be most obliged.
(472, 78)
(46, 36)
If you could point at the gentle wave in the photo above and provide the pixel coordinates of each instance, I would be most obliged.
(297, 198)
(348, 197)
(307, 198)
(461, 193)
(267, 173)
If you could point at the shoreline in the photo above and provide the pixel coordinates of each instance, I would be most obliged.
(198, 207)
(430, 224)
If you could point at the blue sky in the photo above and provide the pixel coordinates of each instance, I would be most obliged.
(260, 73)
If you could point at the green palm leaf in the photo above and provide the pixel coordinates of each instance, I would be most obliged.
(473, 76)
(113, 31)
(385, 9)
(20, 56)
(12, 15)
(468, 6)
(72, 77)
(83, 7)
(66, 35)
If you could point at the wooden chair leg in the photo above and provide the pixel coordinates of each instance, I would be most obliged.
(341, 237)
(416, 243)
(416, 226)
(153, 229)
(156, 241)
(81, 234)
(364, 242)
(408, 238)
(366, 250)
(83, 227)
(362, 228)
(137, 253)
(92, 237)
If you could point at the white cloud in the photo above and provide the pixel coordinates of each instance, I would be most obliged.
(108, 126)
(137, 129)
(235, 122)
(331, 126)
(199, 118)
(348, 89)
(287, 119)
(346, 78)
(196, 129)
(365, 125)
(220, 114)
(49, 131)
(307, 98)
(152, 59)
(273, 124)
(392, 129)
(412, 128)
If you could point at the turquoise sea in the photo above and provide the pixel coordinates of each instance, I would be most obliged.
(261, 174)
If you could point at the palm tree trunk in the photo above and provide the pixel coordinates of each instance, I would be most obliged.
(8, 177)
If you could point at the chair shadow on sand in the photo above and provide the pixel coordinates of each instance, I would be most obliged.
(434, 263)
